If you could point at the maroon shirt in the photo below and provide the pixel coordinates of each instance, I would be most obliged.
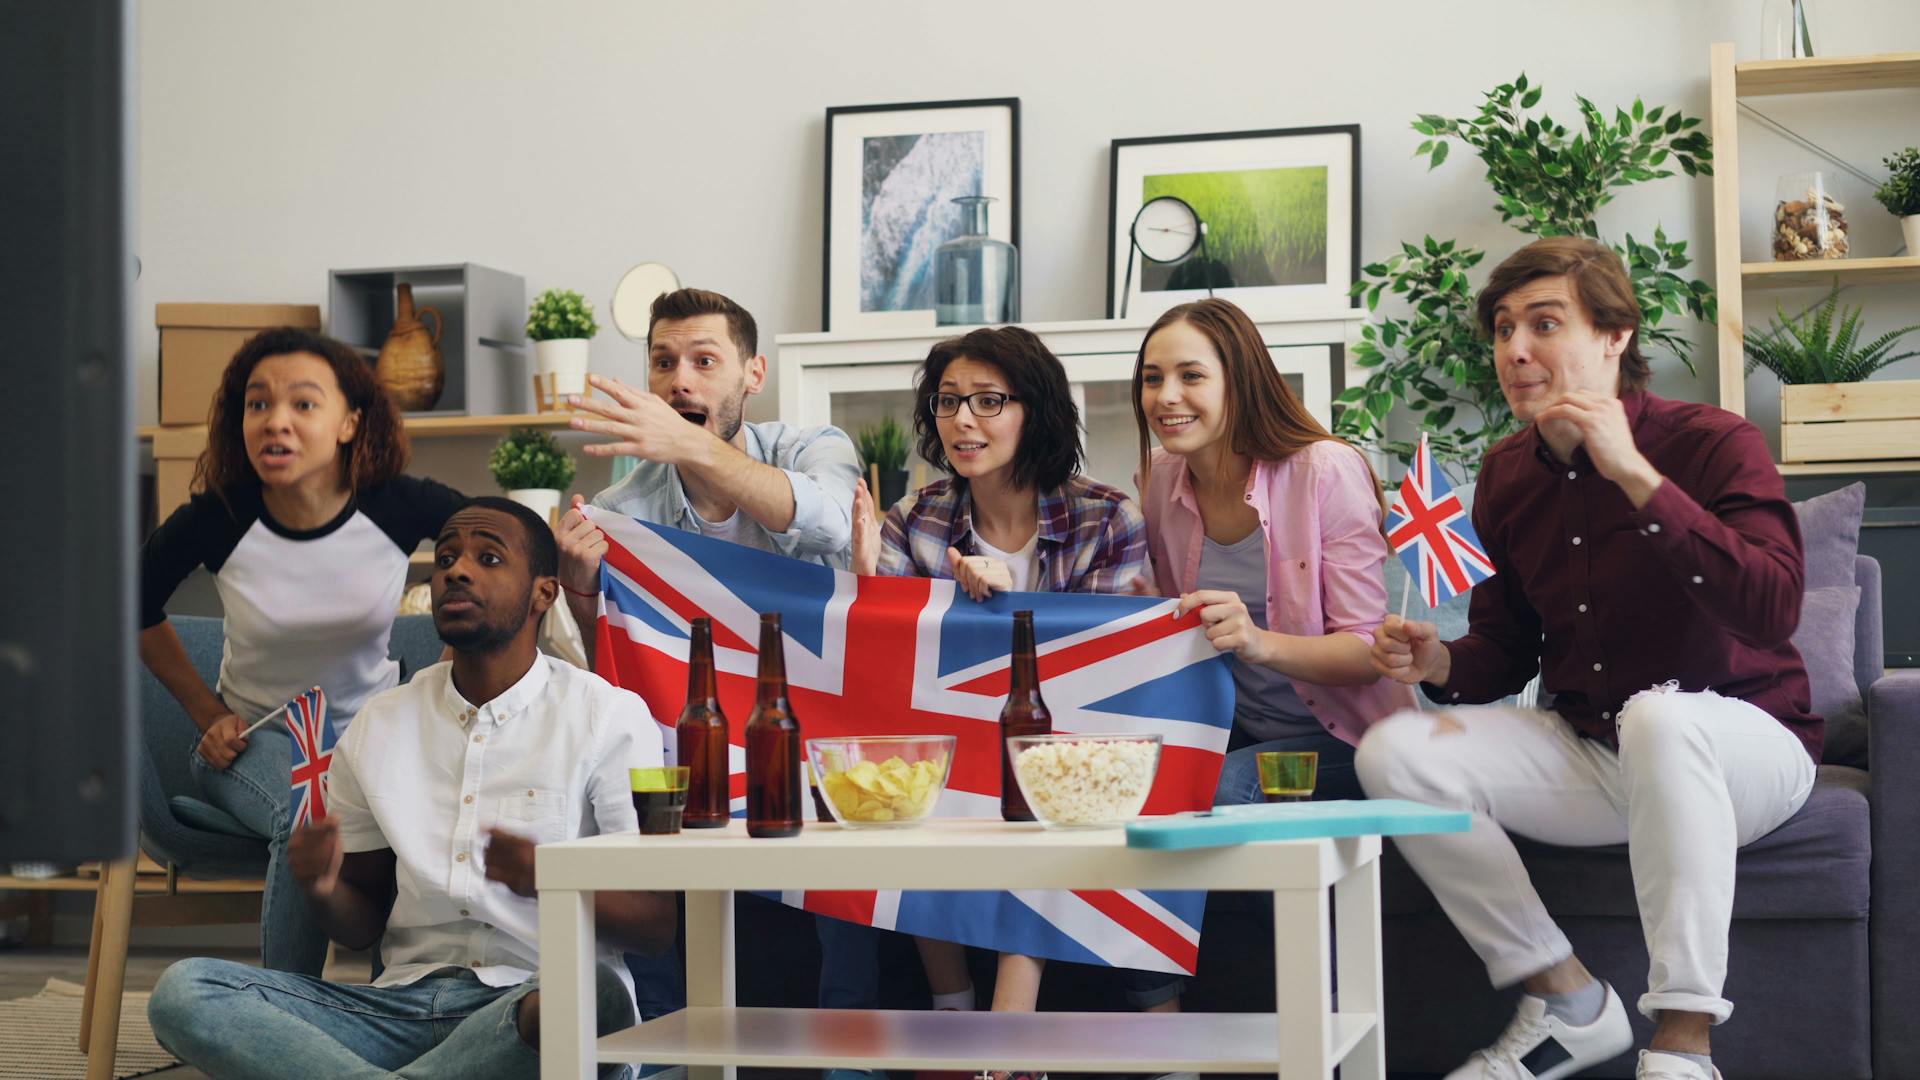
(1702, 585)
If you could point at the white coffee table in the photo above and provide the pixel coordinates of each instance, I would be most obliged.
(1304, 1038)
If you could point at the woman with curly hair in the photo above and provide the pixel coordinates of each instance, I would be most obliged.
(303, 517)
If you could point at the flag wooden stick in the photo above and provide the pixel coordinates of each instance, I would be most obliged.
(262, 722)
(1406, 595)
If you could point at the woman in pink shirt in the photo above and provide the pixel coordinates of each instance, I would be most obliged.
(1272, 528)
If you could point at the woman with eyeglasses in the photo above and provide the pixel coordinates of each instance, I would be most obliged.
(993, 409)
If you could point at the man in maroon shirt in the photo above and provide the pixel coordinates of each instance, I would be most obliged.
(1650, 567)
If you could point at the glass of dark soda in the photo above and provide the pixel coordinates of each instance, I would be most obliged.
(659, 797)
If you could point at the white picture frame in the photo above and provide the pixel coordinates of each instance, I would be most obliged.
(1254, 231)
(888, 190)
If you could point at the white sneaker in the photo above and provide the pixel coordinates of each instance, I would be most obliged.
(1541, 1046)
(1655, 1065)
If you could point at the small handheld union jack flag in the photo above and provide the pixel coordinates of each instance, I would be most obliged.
(1429, 529)
(312, 755)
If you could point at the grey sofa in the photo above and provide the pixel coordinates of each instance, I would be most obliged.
(1824, 967)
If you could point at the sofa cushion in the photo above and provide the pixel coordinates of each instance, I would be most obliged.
(1825, 639)
(1830, 531)
(1813, 867)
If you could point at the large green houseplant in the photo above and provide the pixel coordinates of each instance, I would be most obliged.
(1548, 181)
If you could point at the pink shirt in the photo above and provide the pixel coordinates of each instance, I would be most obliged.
(1321, 523)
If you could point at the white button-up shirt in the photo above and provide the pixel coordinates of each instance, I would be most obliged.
(426, 773)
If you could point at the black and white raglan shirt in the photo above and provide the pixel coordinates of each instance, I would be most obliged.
(303, 608)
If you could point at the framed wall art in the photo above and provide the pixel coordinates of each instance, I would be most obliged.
(1281, 210)
(893, 172)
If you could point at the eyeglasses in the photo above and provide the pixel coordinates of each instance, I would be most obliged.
(983, 404)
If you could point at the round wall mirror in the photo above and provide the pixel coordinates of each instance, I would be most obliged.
(633, 297)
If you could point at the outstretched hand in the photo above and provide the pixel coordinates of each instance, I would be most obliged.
(866, 530)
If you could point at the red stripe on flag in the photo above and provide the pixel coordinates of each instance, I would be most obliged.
(676, 602)
(851, 906)
(1074, 657)
(1136, 921)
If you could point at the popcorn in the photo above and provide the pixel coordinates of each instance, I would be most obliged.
(1089, 782)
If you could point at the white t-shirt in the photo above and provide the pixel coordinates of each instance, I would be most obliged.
(1024, 564)
(303, 608)
(738, 529)
(426, 773)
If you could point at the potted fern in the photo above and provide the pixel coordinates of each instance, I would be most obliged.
(1825, 412)
(1901, 195)
(560, 324)
(530, 466)
(883, 446)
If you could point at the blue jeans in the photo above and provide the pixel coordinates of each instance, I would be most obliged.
(232, 1020)
(256, 789)
(849, 964)
(1239, 786)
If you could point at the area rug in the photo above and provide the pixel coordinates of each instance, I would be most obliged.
(39, 1036)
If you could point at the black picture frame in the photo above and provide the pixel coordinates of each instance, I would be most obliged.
(835, 113)
(1115, 227)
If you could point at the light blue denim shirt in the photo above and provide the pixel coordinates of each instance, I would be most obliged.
(821, 465)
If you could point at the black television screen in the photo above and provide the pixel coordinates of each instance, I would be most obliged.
(66, 431)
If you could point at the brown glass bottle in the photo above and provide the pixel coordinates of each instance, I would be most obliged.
(701, 737)
(1024, 714)
(774, 782)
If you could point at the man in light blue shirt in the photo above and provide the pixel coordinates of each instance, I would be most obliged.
(702, 468)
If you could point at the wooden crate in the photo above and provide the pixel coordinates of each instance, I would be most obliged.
(1863, 421)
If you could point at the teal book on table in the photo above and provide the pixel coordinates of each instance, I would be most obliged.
(1226, 825)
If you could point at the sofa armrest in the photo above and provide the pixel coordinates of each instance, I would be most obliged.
(1893, 717)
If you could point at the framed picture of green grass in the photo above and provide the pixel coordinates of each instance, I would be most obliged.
(1282, 211)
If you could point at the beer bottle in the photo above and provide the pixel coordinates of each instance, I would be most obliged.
(1024, 714)
(701, 737)
(773, 744)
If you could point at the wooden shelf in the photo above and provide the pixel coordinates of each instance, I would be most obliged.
(432, 426)
(1789, 275)
(144, 884)
(1848, 468)
(1124, 1042)
(1826, 74)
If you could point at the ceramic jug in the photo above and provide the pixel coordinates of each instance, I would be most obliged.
(410, 365)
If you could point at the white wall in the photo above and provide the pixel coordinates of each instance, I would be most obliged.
(569, 139)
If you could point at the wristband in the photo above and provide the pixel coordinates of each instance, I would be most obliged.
(577, 592)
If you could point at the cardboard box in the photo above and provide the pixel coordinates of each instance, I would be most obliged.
(174, 455)
(197, 341)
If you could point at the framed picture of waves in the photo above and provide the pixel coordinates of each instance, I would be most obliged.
(1282, 216)
(893, 172)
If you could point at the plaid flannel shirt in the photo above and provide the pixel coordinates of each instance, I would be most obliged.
(1092, 536)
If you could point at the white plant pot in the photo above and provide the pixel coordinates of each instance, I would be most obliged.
(566, 360)
(1910, 228)
(542, 501)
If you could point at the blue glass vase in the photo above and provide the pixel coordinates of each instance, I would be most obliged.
(976, 279)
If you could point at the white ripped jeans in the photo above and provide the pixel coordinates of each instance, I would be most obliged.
(1696, 777)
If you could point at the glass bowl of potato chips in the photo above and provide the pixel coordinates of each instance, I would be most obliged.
(881, 781)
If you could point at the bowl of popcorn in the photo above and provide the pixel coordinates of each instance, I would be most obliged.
(1084, 781)
(881, 781)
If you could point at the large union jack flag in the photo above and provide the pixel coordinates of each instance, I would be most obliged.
(883, 655)
(1429, 529)
(312, 755)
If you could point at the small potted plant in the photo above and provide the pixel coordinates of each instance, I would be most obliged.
(883, 446)
(533, 470)
(1901, 195)
(1820, 360)
(560, 323)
